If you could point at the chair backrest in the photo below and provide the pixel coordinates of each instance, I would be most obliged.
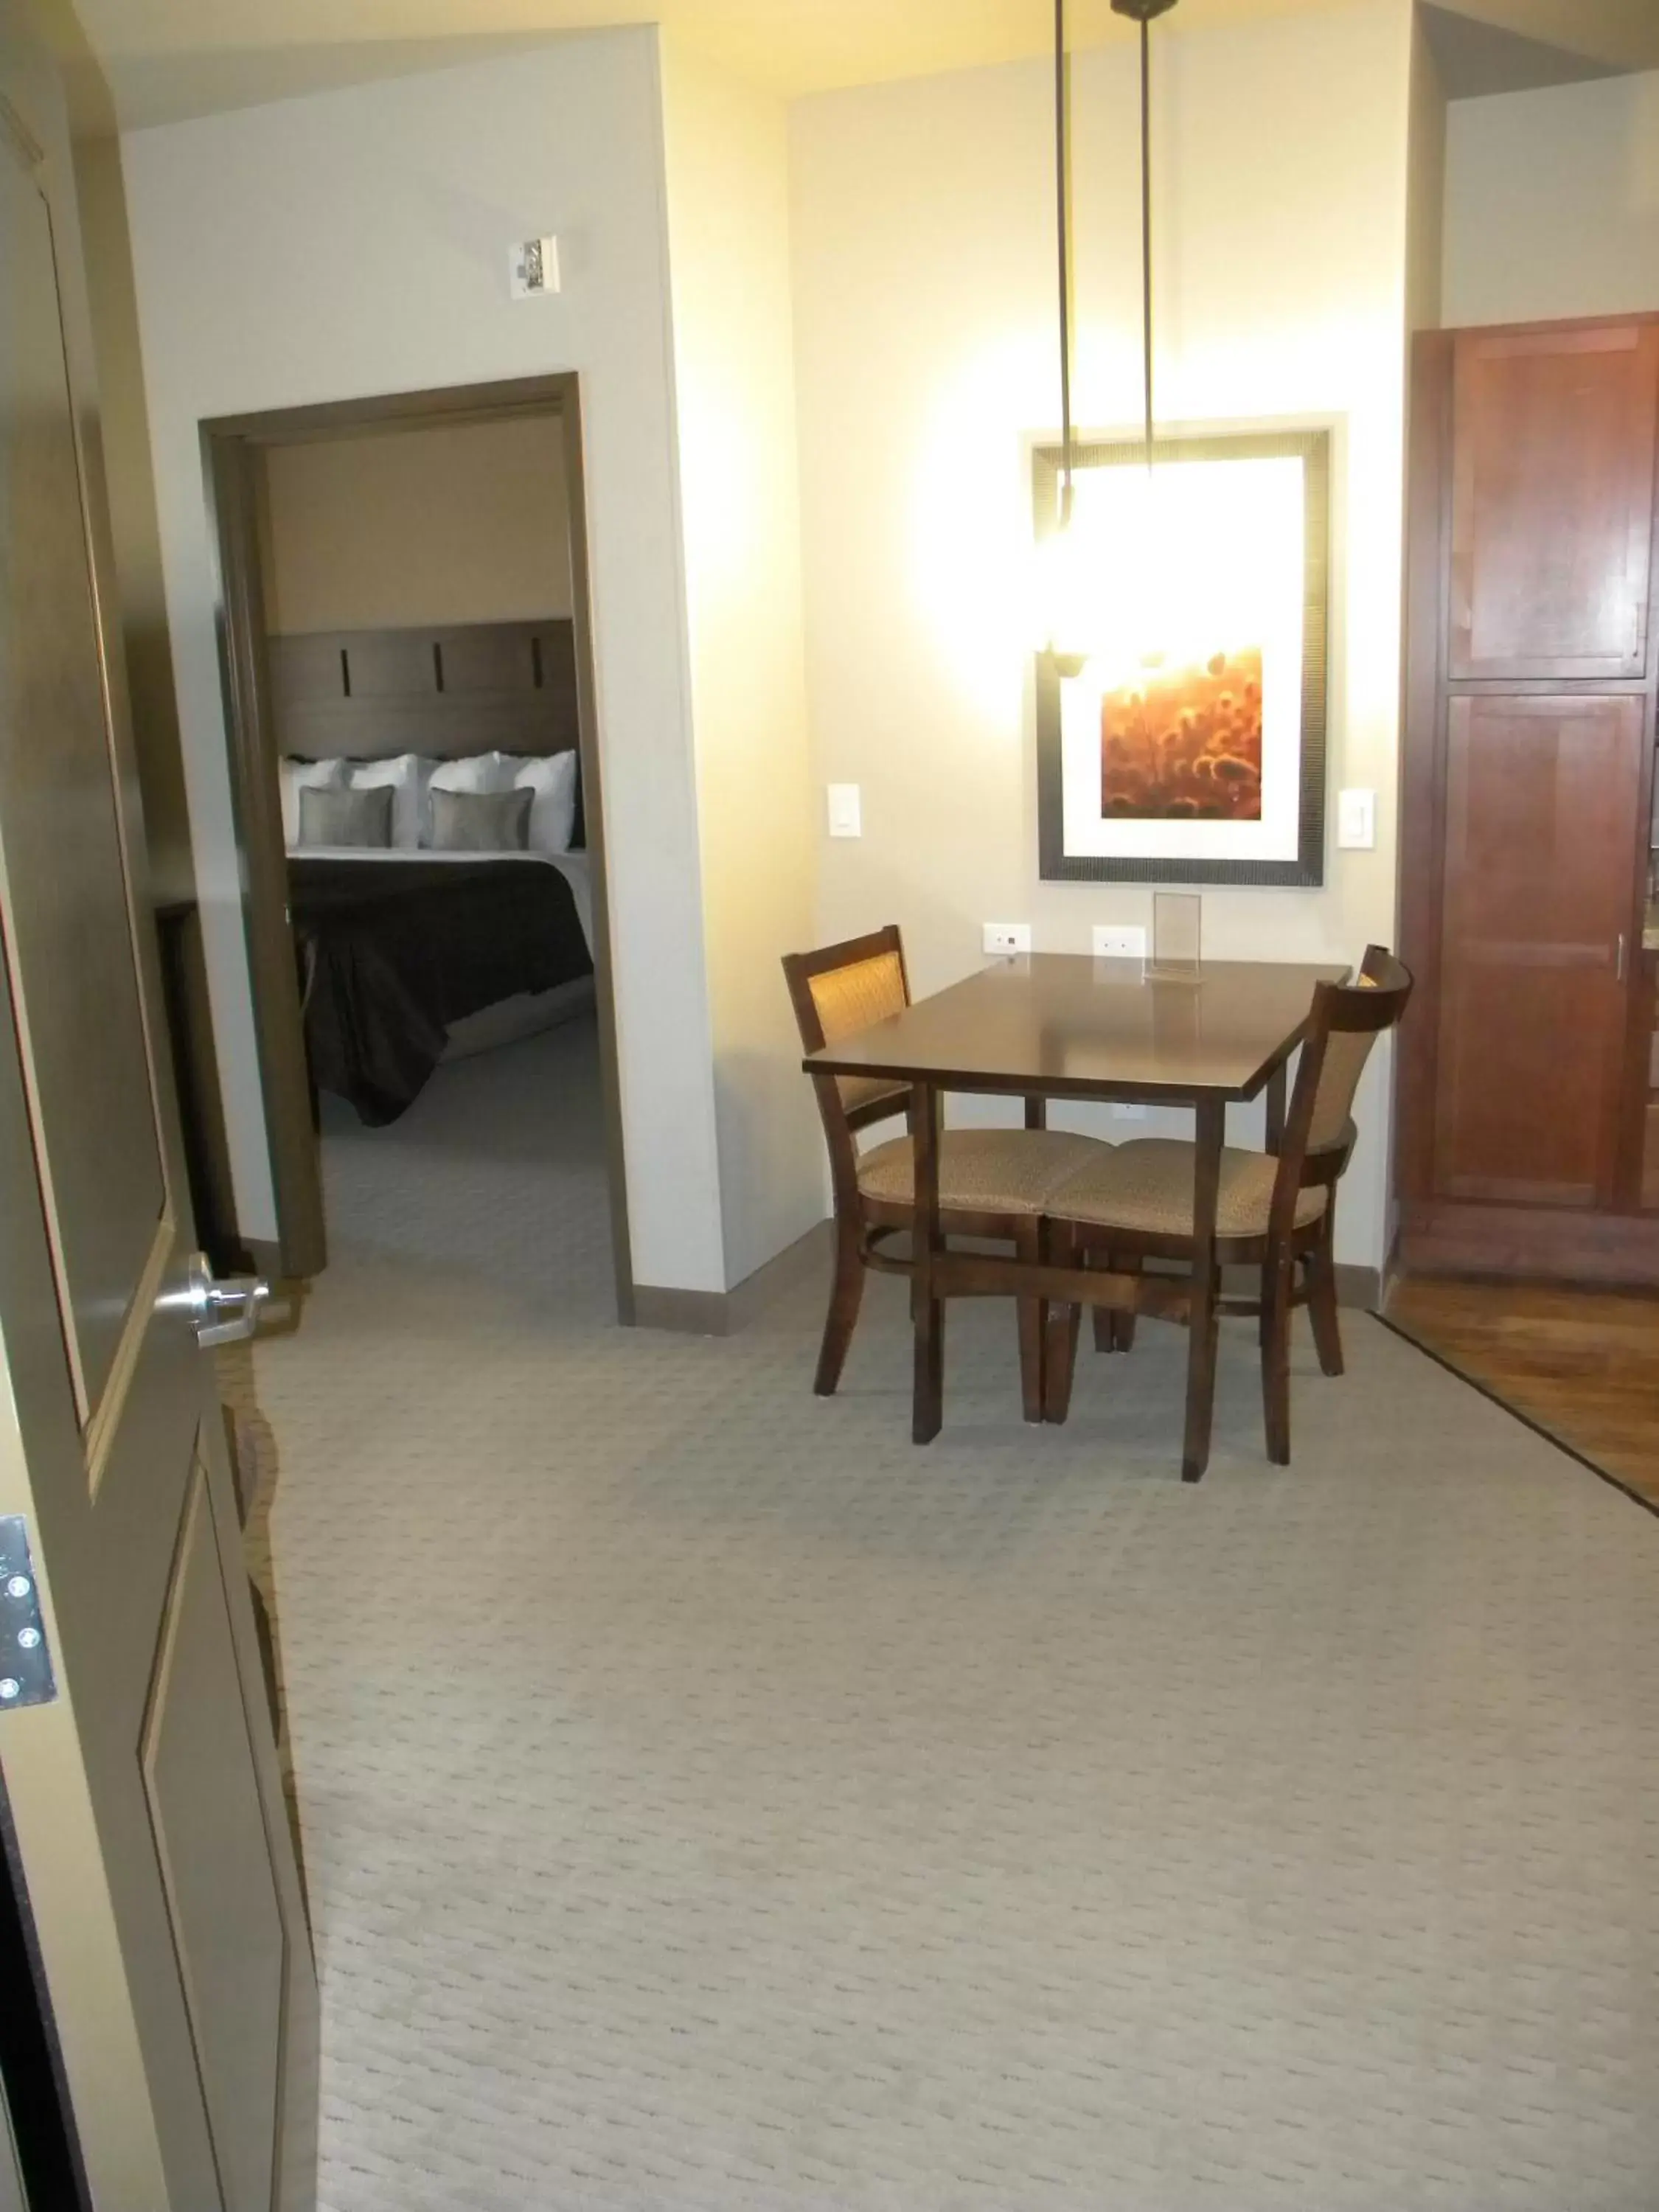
(835, 991)
(1345, 1022)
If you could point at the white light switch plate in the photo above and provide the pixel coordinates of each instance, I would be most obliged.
(846, 813)
(1356, 820)
(1007, 937)
(1118, 941)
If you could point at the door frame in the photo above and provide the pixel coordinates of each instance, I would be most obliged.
(231, 445)
(41, 2160)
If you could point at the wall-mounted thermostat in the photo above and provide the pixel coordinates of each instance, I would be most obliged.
(534, 268)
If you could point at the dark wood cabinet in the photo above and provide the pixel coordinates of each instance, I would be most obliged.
(1551, 526)
(1527, 801)
(1532, 1013)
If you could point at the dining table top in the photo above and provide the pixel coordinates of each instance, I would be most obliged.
(1067, 1024)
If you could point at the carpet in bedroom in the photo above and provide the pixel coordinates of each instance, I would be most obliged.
(711, 1801)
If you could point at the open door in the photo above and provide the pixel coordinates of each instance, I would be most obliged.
(145, 1808)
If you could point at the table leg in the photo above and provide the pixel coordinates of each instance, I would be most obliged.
(1275, 1143)
(1204, 1320)
(928, 1406)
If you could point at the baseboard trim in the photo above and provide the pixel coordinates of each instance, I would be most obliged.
(689, 1313)
(723, 1313)
(1359, 1286)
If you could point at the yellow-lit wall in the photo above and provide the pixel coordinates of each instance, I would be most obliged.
(1425, 188)
(926, 360)
(726, 150)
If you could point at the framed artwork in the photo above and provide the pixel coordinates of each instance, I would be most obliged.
(1184, 743)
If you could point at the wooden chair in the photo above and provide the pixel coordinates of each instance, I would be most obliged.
(995, 1183)
(1134, 1203)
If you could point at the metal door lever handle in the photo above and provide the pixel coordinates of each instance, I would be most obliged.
(223, 1310)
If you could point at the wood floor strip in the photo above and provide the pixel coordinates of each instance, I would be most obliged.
(1635, 1481)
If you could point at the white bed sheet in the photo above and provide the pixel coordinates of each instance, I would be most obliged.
(575, 867)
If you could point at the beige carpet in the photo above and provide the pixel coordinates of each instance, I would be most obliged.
(711, 1801)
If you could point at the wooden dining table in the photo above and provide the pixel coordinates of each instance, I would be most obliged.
(1050, 1026)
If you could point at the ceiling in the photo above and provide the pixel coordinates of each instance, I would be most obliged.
(1476, 58)
(165, 59)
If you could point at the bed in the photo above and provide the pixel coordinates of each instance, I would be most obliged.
(409, 955)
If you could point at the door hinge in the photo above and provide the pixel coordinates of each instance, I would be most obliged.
(25, 1676)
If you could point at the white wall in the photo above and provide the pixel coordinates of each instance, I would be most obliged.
(927, 361)
(412, 529)
(728, 206)
(1552, 203)
(355, 243)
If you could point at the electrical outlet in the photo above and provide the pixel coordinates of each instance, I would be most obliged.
(1116, 941)
(1007, 937)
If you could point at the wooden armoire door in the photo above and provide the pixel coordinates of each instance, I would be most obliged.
(1531, 694)
(1542, 796)
(1553, 439)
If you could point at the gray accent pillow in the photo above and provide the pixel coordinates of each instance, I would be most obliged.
(360, 816)
(481, 821)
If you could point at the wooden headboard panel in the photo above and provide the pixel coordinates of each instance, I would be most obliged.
(474, 688)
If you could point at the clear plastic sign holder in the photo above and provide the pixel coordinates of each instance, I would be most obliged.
(1177, 935)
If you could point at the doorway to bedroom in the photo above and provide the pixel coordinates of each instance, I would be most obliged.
(420, 820)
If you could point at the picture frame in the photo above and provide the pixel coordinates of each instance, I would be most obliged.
(1198, 767)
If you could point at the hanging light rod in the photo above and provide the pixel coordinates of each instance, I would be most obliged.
(1062, 195)
(1146, 13)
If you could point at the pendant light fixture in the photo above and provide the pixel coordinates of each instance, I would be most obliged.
(1069, 617)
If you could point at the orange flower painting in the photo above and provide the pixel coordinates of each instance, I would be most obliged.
(1185, 743)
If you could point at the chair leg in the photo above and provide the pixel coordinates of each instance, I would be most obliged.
(1033, 1323)
(1321, 1298)
(1203, 1329)
(1065, 1324)
(1102, 1320)
(1124, 1324)
(846, 1291)
(1276, 1276)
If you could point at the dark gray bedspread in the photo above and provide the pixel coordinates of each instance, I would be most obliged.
(392, 952)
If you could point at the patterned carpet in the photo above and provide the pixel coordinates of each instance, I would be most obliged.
(711, 1801)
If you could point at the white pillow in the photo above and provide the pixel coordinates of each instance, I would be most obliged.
(478, 772)
(409, 775)
(324, 775)
(552, 778)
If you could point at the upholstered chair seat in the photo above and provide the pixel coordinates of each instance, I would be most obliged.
(1008, 1171)
(1148, 1187)
(1275, 1210)
(994, 1183)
